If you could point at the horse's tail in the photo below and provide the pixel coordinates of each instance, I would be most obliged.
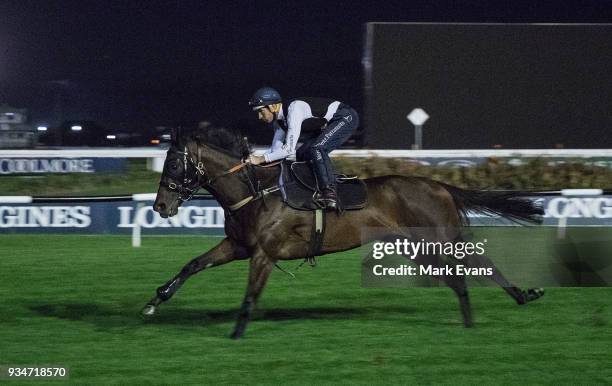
(513, 205)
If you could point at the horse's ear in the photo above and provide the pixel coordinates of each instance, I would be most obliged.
(245, 143)
(175, 136)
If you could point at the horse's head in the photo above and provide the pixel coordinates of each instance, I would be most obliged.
(190, 162)
(179, 178)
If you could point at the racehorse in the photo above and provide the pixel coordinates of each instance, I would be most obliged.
(261, 227)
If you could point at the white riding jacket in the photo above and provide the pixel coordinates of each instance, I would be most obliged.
(285, 142)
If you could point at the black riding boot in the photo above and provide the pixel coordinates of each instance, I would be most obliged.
(329, 198)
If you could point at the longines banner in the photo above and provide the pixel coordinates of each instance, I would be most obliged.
(207, 217)
(60, 165)
(201, 217)
(579, 211)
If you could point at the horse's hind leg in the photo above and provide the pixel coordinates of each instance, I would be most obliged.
(456, 282)
(459, 285)
(222, 253)
(519, 295)
(259, 272)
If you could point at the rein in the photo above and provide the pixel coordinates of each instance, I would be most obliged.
(186, 192)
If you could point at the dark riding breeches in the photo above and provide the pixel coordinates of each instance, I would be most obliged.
(338, 130)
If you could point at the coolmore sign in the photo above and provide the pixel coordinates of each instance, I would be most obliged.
(60, 165)
(206, 217)
(199, 217)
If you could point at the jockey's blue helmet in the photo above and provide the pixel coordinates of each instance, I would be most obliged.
(265, 96)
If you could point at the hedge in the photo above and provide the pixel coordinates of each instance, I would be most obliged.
(534, 174)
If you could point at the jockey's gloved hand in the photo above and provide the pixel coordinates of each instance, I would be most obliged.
(256, 159)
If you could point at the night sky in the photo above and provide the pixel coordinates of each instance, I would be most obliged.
(134, 64)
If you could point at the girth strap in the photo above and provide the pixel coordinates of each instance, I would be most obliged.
(316, 239)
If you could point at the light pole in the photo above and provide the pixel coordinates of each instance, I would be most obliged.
(418, 117)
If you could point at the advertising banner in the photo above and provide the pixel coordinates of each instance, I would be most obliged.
(195, 217)
(61, 165)
(207, 217)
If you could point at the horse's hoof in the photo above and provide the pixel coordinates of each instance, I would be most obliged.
(532, 294)
(148, 310)
(236, 335)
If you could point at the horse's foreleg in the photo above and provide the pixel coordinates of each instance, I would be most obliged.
(259, 272)
(224, 252)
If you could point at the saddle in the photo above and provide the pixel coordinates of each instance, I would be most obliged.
(298, 185)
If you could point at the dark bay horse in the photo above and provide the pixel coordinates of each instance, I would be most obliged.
(261, 227)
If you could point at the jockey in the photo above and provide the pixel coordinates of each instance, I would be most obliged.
(319, 124)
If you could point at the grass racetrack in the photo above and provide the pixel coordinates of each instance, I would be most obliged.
(75, 300)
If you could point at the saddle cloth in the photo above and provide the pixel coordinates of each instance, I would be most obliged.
(299, 186)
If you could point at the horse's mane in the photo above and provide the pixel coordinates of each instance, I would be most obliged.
(229, 140)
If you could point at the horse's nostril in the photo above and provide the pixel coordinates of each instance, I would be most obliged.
(159, 207)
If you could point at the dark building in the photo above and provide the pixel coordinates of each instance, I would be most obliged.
(15, 132)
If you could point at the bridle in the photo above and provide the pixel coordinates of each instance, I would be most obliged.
(201, 177)
(190, 185)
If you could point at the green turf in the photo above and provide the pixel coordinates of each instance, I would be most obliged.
(74, 301)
